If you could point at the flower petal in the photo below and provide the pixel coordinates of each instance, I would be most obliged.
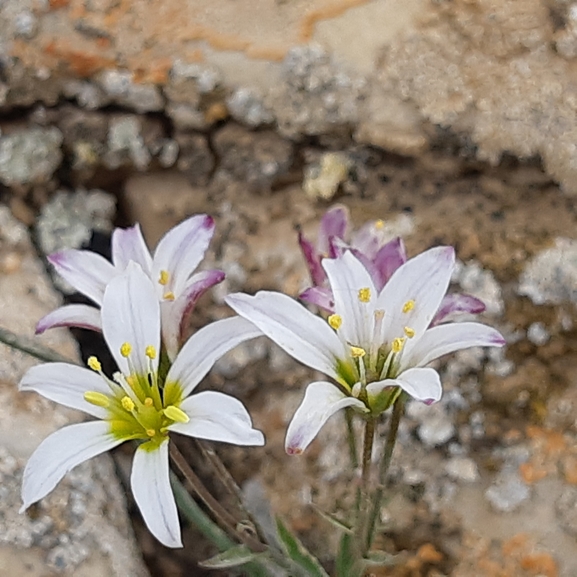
(86, 271)
(131, 314)
(334, 224)
(303, 335)
(368, 239)
(313, 261)
(421, 282)
(320, 297)
(218, 417)
(61, 452)
(322, 400)
(456, 303)
(347, 276)
(150, 484)
(80, 316)
(66, 384)
(205, 347)
(128, 244)
(445, 339)
(180, 251)
(175, 313)
(388, 259)
(421, 384)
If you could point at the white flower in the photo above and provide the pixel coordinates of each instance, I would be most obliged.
(138, 403)
(374, 345)
(171, 269)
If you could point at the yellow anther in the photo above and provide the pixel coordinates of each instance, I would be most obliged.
(410, 332)
(125, 349)
(130, 380)
(148, 402)
(150, 432)
(379, 224)
(335, 321)
(164, 277)
(365, 295)
(408, 306)
(150, 352)
(176, 414)
(127, 404)
(94, 364)
(398, 344)
(96, 398)
(169, 296)
(358, 352)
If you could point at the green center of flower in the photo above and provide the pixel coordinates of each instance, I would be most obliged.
(139, 406)
(377, 362)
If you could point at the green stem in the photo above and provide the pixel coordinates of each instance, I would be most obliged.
(398, 408)
(31, 348)
(363, 511)
(351, 438)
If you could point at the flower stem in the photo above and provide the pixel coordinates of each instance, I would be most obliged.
(223, 474)
(351, 438)
(31, 348)
(398, 408)
(363, 511)
(367, 452)
(222, 516)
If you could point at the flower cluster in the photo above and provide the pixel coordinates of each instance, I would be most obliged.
(385, 319)
(171, 269)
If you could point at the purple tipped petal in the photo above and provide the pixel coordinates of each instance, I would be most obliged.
(128, 244)
(388, 259)
(455, 304)
(81, 316)
(86, 271)
(368, 239)
(175, 314)
(445, 339)
(180, 251)
(321, 401)
(334, 224)
(312, 259)
(319, 296)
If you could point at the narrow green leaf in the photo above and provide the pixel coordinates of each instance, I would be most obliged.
(298, 553)
(233, 557)
(345, 560)
(333, 520)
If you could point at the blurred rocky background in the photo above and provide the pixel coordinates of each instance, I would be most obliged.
(454, 121)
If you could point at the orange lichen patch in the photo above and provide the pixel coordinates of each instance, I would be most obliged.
(266, 53)
(155, 73)
(196, 55)
(429, 554)
(570, 469)
(553, 442)
(81, 63)
(540, 564)
(103, 43)
(308, 23)
(57, 4)
(227, 42)
(532, 473)
(515, 545)
(215, 112)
